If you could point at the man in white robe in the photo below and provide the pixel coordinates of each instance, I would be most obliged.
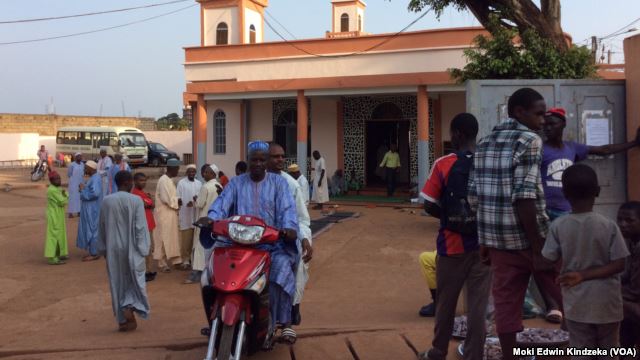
(166, 236)
(294, 171)
(104, 169)
(75, 172)
(123, 238)
(320, 182)
(208, 194)
(187, 191)
(275, 165)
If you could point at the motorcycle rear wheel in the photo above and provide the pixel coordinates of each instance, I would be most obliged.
(226, 342)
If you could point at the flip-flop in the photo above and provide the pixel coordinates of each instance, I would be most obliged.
(56, 262)
(554, 317)
(288, 336)
(165, 269)
(91, 258)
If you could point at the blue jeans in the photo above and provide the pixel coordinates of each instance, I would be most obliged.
(554, 214)
(391, 181)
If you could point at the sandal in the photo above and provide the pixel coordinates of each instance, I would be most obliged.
(56, 261)
(288, 336)
(165, 269)
(554, 317)
(91, 258)
(131, 319)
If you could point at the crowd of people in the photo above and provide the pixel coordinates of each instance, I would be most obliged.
(131, 228)
(512, 208)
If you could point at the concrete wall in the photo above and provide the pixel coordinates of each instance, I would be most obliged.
(261, 122)
(324, 133)
(632, 74)
(452, 104)
(178, 141)
(225, 162)
(49, 124)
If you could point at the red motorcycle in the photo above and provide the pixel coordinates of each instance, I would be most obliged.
(236, 300)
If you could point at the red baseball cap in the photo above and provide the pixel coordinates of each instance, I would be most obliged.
(558, 112)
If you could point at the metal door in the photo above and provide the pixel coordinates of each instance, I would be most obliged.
(590, 104)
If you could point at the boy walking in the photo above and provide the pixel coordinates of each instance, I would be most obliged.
(139, 183)
(629, 223)
(55, 248)
(593, 253)
(459, 260)
(512, 223)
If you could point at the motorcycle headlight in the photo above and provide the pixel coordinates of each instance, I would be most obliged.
(245, 234)
(258, 285)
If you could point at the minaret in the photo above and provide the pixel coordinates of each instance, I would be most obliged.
(348, 17)
(231, 22)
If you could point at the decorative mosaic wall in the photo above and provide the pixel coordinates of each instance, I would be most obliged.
(358, 110)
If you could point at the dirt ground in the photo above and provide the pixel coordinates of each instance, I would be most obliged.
(361, 301)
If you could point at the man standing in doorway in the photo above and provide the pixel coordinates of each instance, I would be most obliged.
(166, 237)
(391, 165)
(104, 169)
(187, 191)
(123, 238)
(320, 183)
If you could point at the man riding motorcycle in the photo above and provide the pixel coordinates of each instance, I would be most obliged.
(267, 196)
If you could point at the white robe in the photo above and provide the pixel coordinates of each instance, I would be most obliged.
(304, 187)
(207, 195)
(320, 193)
(104, 169)
(166, 234)
(76, 177)
(304, 232)
(186, 190)
(123, 238)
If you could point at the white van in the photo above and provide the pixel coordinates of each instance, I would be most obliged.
(128, 141)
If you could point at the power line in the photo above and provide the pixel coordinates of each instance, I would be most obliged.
(97, 30)
(618, 32)
(91, 13)
(353, 53)
(282, 26)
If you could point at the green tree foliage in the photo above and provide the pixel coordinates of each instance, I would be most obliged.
(172, 122)
(533, 57)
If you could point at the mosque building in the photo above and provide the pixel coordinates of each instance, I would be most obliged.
(348, 95)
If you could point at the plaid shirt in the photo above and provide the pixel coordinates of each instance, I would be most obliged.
(506, 169)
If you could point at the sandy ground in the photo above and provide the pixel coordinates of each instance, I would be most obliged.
(361, 301)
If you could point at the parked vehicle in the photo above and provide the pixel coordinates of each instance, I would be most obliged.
(237, 299)
(159, 154)
(130, 142)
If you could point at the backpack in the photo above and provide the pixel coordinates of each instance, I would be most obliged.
(456, 214)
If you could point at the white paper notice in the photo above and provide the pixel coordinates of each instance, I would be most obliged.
(597, 132)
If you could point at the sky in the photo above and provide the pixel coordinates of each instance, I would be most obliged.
(137, 70)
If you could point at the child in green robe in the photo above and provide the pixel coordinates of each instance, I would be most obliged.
(55, 248)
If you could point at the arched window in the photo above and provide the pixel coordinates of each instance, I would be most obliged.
(219, 132)
(344, 23)
(222, 34)
(359, 22)
(252, 34)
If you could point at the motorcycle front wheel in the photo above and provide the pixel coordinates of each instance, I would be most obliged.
(226, 342)
(36, 176)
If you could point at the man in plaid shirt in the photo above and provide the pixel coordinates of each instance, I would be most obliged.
(507, 190)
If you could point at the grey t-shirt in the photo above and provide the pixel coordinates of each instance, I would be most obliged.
(585, 241)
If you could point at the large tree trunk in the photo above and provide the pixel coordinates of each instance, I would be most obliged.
(525, 15)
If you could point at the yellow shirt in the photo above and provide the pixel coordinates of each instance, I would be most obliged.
(391, 160)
